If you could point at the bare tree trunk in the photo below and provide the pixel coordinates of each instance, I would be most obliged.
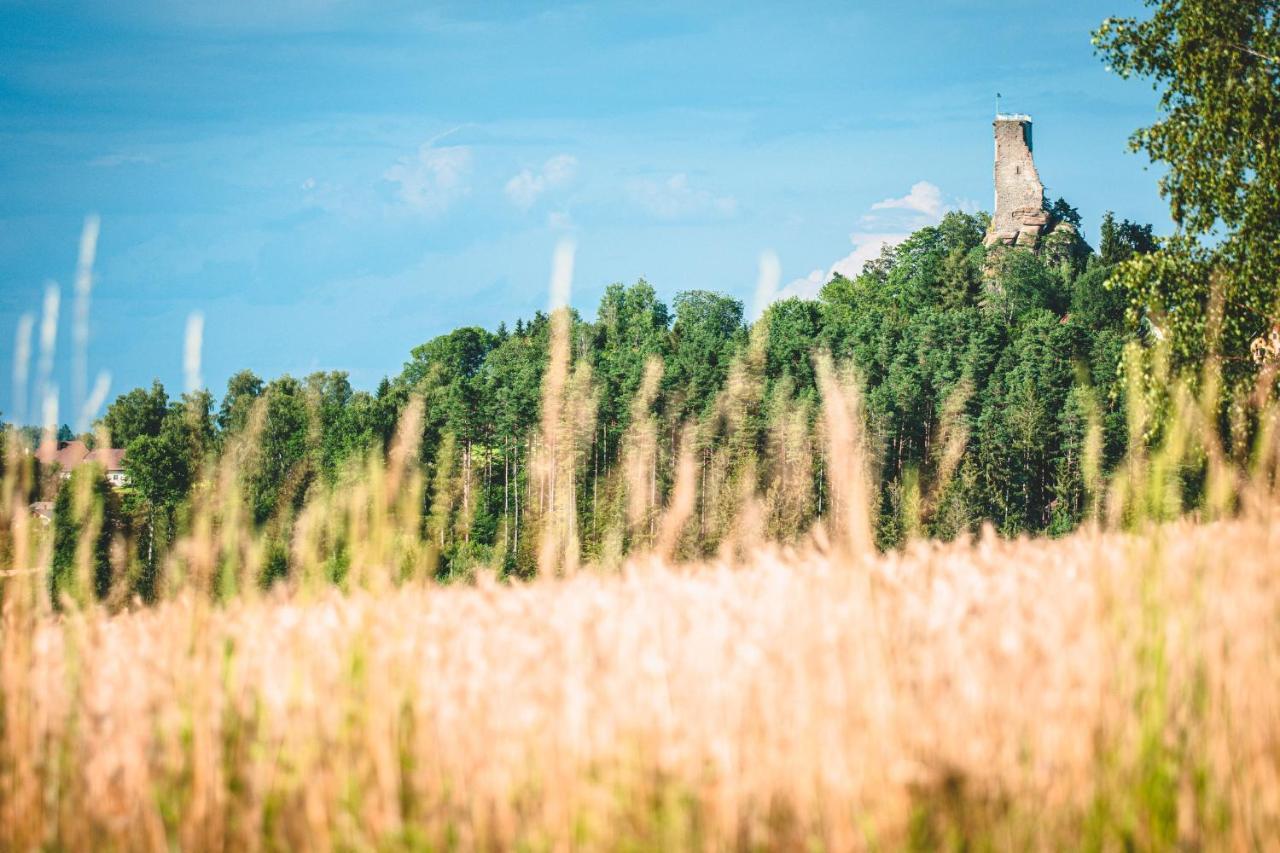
(466, 492)
(702, 520)
(928, 419)
(488, 473)
(516, 537)
(595, 484)
(506, 495)
(822, 477)
(653, 487)
(151, 540)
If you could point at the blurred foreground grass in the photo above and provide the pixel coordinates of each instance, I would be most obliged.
(1118, 688)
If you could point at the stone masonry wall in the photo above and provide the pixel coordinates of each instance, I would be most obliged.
(1020, 217)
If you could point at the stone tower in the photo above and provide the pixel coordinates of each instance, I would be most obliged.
(1020, 218)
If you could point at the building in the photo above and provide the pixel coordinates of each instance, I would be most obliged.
(70, 455)
(112, 461)
(67, 455)
(1021, 217)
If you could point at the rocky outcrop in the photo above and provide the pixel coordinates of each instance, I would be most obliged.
(1027, 227)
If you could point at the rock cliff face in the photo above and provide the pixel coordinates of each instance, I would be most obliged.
(1020, 218)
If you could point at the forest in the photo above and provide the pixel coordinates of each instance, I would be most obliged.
(992, 382)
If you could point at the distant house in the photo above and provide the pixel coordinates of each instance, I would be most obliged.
(42, 510)
(70, 455)
(67, 455)
(112, 460)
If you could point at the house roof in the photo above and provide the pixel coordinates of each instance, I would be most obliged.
(69, 455)
(66, 454)
(111, 458)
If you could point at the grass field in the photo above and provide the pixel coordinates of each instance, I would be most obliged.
(1104, 689)
(1118, 688)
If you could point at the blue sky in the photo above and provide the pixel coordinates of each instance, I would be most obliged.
(331, 183)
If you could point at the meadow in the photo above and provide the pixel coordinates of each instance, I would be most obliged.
(1114, 688)
(1109, 690)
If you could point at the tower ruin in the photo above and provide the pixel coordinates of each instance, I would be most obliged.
(1020, 217)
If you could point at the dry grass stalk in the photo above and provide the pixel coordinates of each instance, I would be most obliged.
(640, 453)
(562, 448)
(850, 517)
(683, 496)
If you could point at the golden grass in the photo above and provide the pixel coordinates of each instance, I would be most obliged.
(1118, 689)
(1028, 693)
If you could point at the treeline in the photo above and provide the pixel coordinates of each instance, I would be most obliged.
(982, 375)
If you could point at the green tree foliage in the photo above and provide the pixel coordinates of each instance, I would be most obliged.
(194, 413)
(793, 326)
(708, 333)
(278, 472)
(161, 469)
(447, 373)
(1217, 67)
(1062, 211)
(511, 387)
(983, 374)
(243, 389)
(86, 518)
(1003, 351)
(1120, 241)
(139, 412)
(631, 326)
(339, 420)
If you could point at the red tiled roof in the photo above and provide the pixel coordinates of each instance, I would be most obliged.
(66, 454)
(111, 458)
(69, 455)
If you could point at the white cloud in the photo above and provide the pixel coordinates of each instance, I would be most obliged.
(866, 247)
(924, 205)
(434, 179)
(523, 189)
(674, 198)
(805, 288)
(925, 198)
